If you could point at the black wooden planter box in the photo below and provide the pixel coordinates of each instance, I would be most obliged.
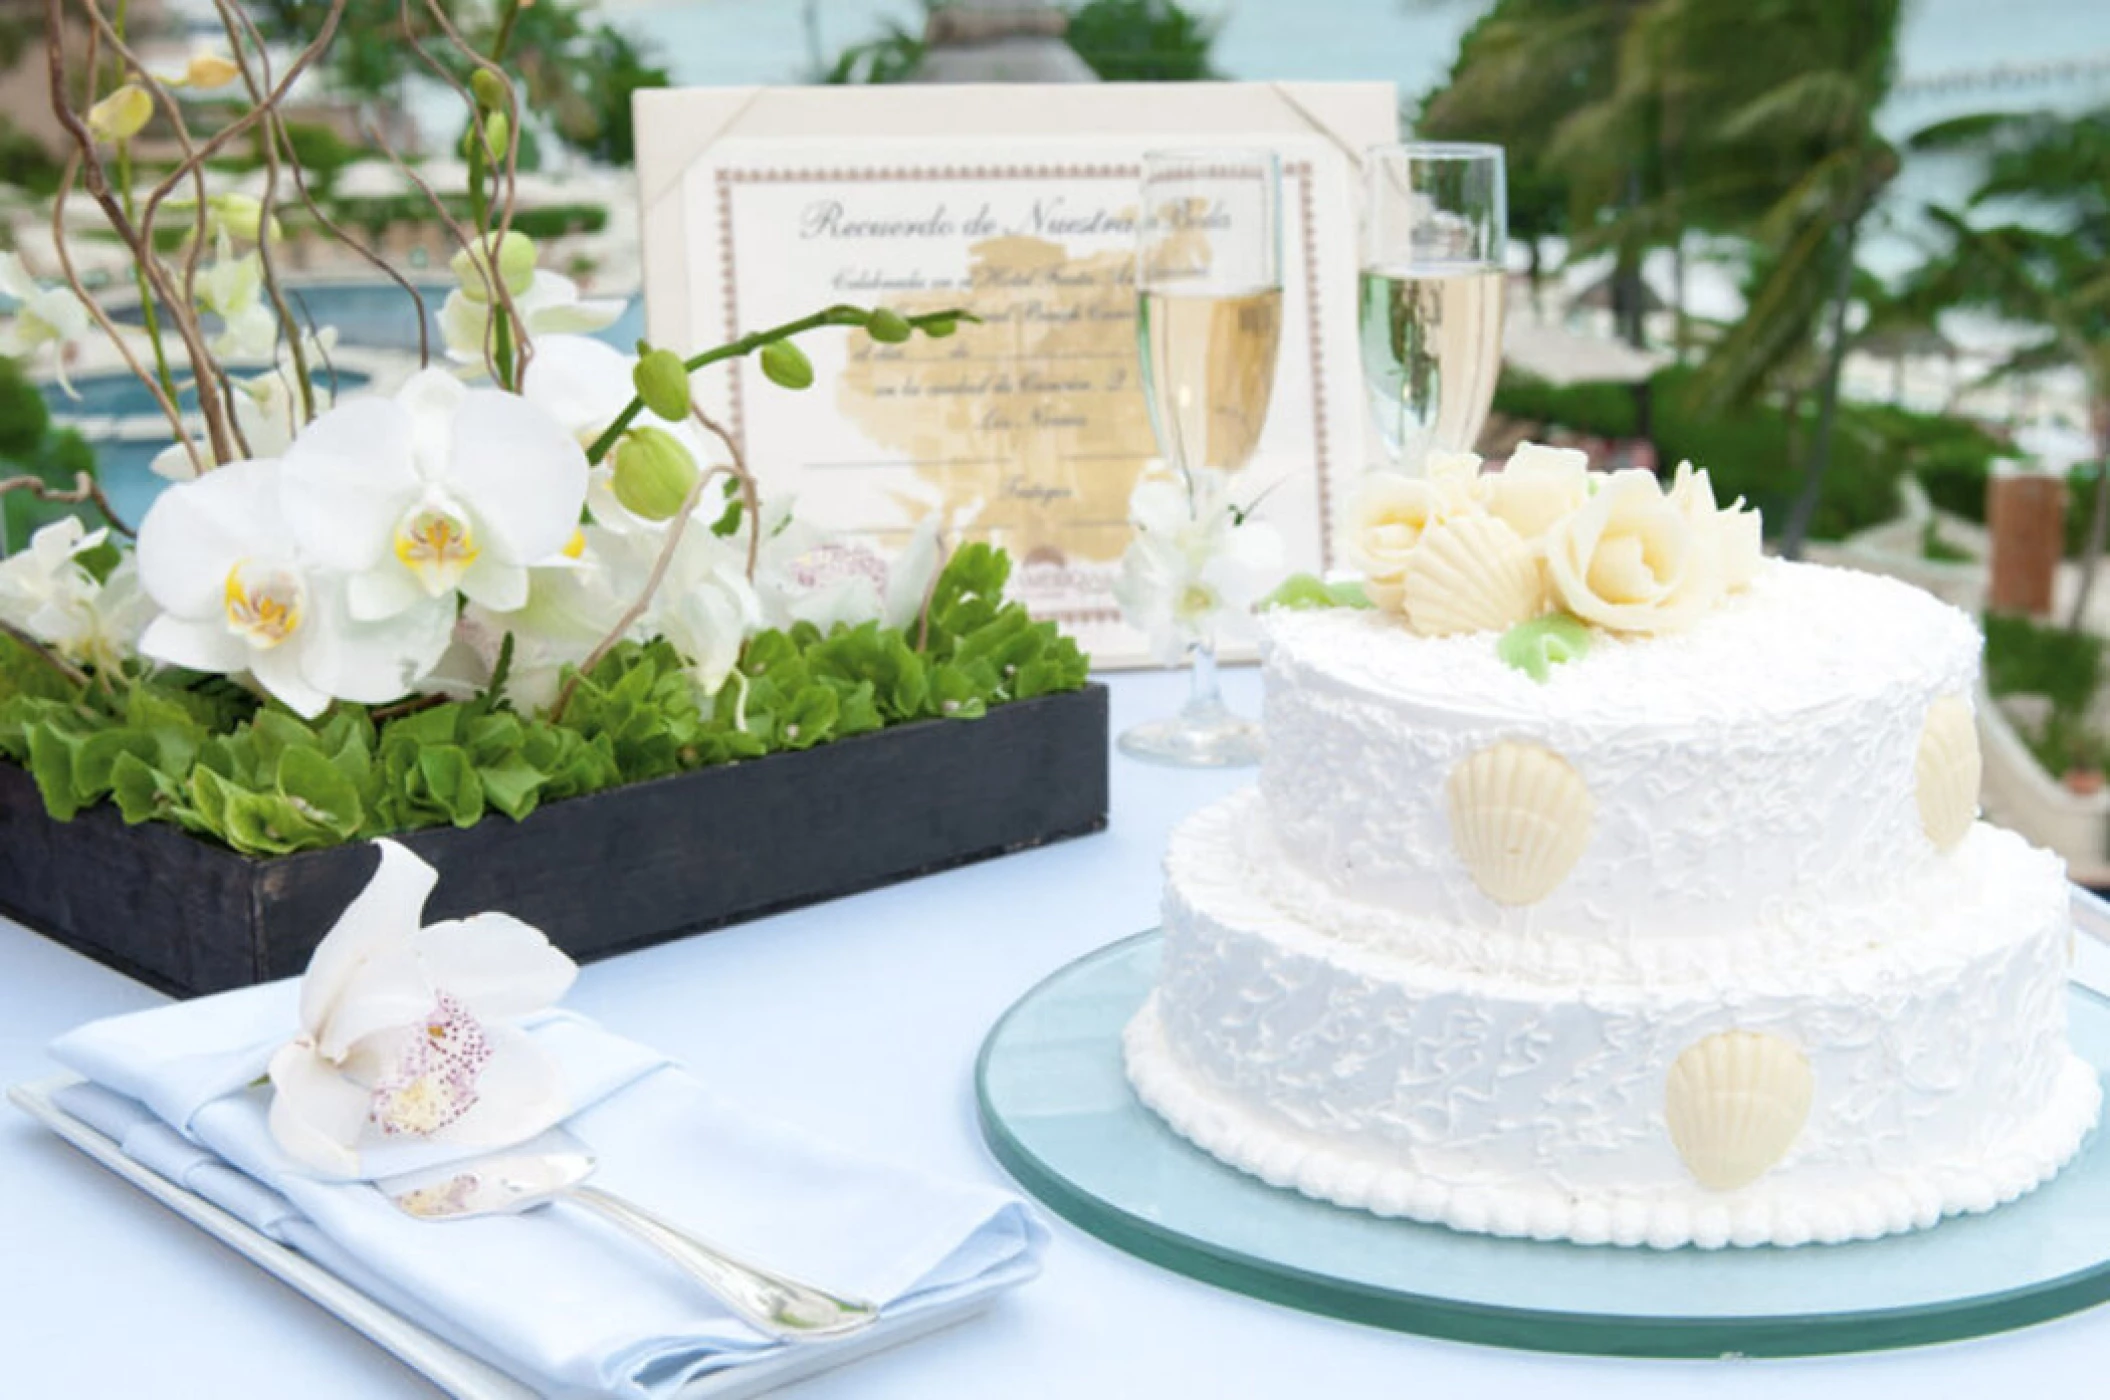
(600, 874)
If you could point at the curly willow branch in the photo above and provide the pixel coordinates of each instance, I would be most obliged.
(181, 311)
(497, 295)
(86, 491)
(267, 143)
(98, 184)
(102, 319)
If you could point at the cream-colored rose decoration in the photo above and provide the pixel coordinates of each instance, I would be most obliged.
(1631, 559)
(1736, 527)
(1458, 481)
(1391, 514)
(1538, 487)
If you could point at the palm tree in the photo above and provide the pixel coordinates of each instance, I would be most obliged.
(1817, 87)
(1664, 117)
(1521, 70)
(2032, 245)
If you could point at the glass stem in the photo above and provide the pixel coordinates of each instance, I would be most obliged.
(1204, 702)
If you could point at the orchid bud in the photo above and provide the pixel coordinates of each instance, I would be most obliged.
(938, 330)
(490, 89)
(497, 133)
(210, 70)
(662, 381)
(516, 265)
(786, 365)
(240, 217)
(654, 473)
(122, 115)
(888, 327)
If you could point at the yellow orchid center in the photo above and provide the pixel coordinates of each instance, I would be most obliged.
(1196, 600)
(575, 547)
(438, 546)
(264, 603)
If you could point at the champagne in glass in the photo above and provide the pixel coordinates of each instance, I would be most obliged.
(1208, 327)
(1430, 312)
(1209, 371)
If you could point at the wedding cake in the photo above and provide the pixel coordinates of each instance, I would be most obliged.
(1606, 882)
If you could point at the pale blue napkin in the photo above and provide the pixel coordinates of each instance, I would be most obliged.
(557, 1298)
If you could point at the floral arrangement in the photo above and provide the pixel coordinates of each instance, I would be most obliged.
(1543, 551)
(539, 569)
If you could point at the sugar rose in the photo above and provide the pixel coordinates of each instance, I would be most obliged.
(1632, 559)
(1391, 514)
(1458, 482)
(1736, 528)
(1538, 487)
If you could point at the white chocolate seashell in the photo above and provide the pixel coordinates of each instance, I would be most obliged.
(1472, 573)
(1948, 770)
(1520, 818)
(1736, 1103)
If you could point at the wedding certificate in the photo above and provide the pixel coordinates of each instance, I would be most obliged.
(1027, 428)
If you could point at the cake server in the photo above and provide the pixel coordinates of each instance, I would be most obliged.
(555, 1166)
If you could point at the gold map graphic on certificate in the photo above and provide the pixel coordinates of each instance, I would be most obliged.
(1029, 427)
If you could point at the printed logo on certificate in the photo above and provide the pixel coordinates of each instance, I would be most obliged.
(1029, 429)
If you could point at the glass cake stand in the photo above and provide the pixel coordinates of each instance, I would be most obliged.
(1058, 1113)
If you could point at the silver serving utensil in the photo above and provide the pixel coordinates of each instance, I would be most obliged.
(555, 1166)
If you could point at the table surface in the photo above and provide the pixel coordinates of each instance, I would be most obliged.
(858, 1020)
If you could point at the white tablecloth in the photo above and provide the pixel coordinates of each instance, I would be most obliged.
(858, 1020)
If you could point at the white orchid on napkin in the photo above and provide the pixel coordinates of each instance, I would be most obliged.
(404, 1029)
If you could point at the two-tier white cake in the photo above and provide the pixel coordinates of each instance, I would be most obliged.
(1696, 940)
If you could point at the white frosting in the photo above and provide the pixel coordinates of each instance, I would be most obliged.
(1750, 775)
(1377, 1073)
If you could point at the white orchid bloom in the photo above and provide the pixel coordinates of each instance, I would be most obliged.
(403, 1029)
(44, 589)
(104, 631)
(550, 306)
(805, 575)
(46, 592)
(585, 384)
(1193, 571)
(43, 316)
(440, 488)
(706, 607)
(232, 288)
(237, 593)
(569, 610)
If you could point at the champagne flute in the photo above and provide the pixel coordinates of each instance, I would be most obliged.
(1208, 325)
(1435, 229)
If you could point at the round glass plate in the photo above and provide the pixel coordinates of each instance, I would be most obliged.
(1057, 1111)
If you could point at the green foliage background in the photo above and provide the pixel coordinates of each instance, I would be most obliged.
(31, 446)
(1122, 41)
(209, 757)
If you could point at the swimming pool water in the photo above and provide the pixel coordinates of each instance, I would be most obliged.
(123, 396)
(382, 316)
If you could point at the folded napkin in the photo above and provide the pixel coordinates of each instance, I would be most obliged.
(556, 1298)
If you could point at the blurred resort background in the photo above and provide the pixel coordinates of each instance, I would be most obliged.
(1853, 257)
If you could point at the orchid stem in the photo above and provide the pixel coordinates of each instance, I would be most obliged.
(840, 315)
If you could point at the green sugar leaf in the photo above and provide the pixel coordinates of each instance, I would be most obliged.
(1303, 591)
(1537, 646)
